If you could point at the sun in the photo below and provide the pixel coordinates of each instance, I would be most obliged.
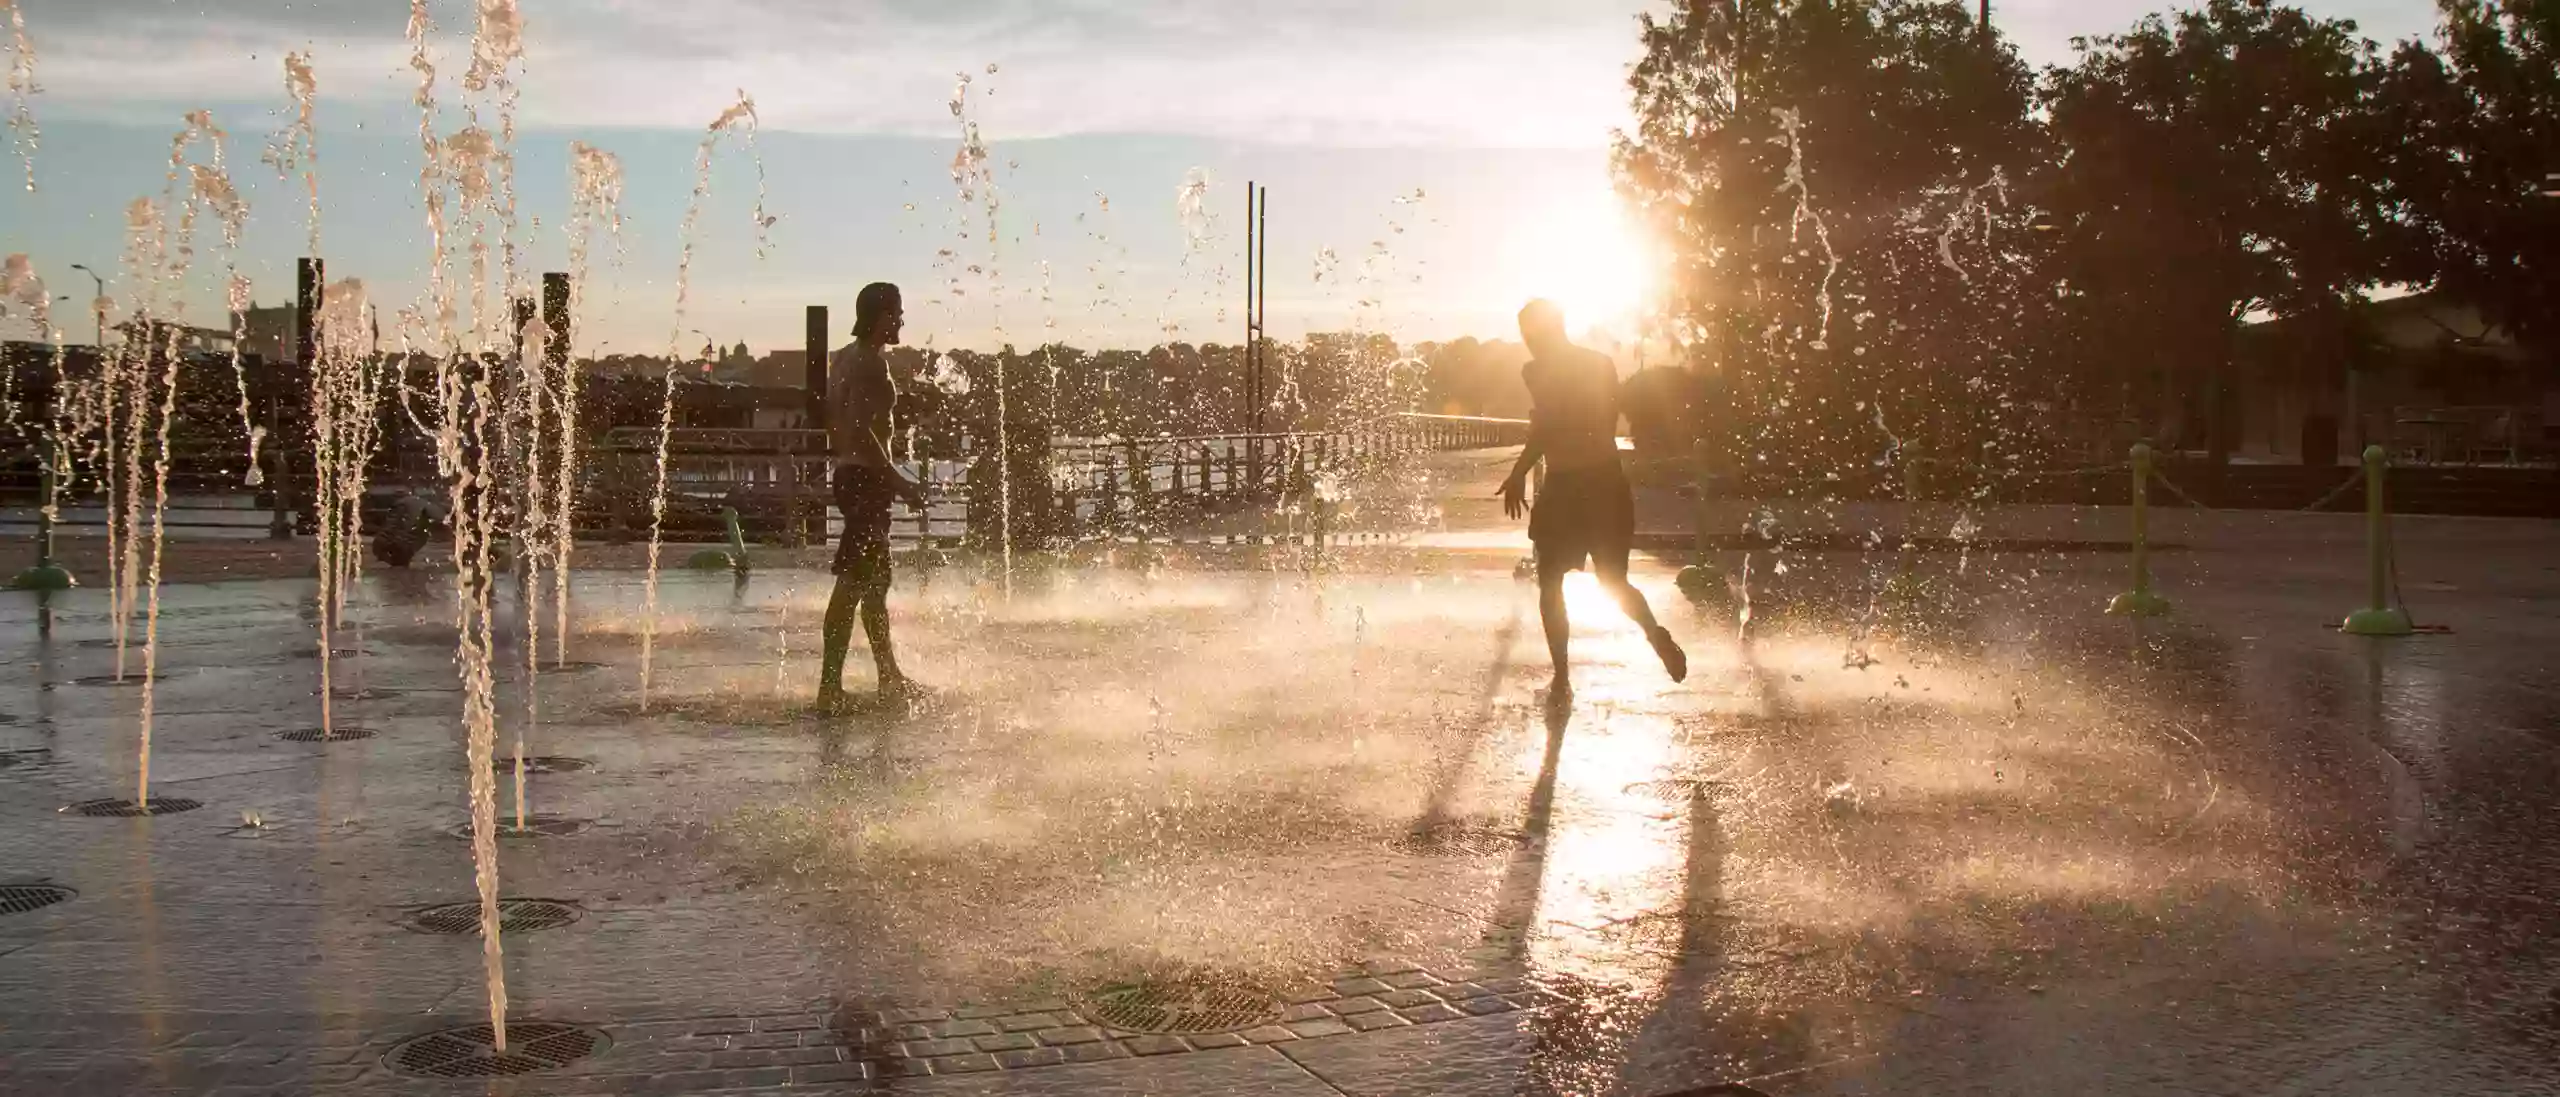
(1581, 252)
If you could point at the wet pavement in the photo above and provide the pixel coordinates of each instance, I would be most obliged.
(1973, 839)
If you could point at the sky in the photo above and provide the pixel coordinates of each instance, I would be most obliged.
(1431, 163)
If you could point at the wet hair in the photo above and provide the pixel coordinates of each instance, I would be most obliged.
(1541, 315)
(876, 298)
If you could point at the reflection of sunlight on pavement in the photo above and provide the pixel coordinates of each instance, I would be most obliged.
(1610, 860)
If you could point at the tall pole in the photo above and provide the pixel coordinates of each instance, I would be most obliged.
(1252, 342)
(1252, 324)
(1261, 300)
(813, 344)
(97, 304)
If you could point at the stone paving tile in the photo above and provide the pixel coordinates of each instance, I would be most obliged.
(1305, 1011)
(1423, 1015)
(1489, 1004)
(1371, 1022)
(1096, 1052)
(1011, 1041)
(1348, 1006)
(964, 1028)
(1478, 1057)
(1407, 999)
(831, 1073)
(1309, 1030)
(1023, 1058)
(963, 1064)
(927, 1049)
(1077, 1034)
(1252, 1072)
(1157, 1045)
(1026, 1022)
(1409, 979)
(1350, 987)
(1268, 1034)
(1212, 1040)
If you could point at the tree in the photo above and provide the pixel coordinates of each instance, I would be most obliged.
(2215, 163)
(1828, 177)
(2480, 132)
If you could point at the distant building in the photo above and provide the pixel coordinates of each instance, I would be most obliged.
(268, 332)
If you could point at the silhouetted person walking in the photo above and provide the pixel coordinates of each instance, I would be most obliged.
(1585, 509)
(861, 402)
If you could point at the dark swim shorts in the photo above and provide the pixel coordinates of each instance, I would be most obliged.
(863, 495)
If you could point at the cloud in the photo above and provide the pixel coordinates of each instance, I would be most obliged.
(1528, 73)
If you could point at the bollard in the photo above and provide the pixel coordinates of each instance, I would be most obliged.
(1700, 579)
(46, 575)
(1905, 589)
(2140, 601)
(2379, 617)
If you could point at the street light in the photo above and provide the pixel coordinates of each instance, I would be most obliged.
(98, 305)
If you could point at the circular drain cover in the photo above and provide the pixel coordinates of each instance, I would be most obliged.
(538, 826)
(333, 735)
(539, 763)
(1181, 1005)
(1676, 788)
(132, 679)
(1457, 841)
(21, 898)
(469, 1051)
(158, 805)
(514, 916)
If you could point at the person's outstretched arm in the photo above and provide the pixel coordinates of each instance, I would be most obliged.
(1515, 487)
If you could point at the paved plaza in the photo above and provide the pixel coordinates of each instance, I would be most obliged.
(1267, 821)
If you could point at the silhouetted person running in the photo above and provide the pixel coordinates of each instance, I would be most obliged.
(1585, 508)
(861, 400)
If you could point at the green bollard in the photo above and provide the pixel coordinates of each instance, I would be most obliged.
(733, 558)
(2140, 602)
(2379, 617)
(1702, 579)
(46, 575)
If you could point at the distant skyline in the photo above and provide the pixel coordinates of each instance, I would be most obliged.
(1496, 112)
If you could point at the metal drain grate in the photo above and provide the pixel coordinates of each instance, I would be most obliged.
(514, 916)
(21, 898)
(1676, 789)
(539, 763)
(1181, 1006)
(1457, 841)
(314, 735)
(109, 680)
(467, 1052)
(539, 826)
(158, 805)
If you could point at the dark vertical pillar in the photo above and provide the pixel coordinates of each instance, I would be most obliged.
(555, 315)
(813, 342)
(307, 276)
(306, 311)
(524, 314)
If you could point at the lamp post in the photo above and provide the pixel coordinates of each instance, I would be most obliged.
(97, 304)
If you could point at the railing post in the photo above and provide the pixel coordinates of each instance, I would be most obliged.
(2378, 617)
(2140, 601)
